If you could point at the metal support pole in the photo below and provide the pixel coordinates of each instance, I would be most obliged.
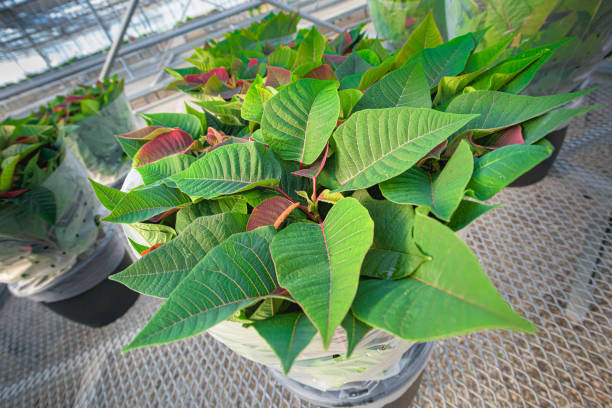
(306, 16)
(110, 58)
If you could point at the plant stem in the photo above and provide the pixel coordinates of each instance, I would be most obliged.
(301, 207)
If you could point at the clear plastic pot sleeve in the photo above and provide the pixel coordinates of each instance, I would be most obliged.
(94, 141)
(376, 357)
(395, 20)
(32, 249)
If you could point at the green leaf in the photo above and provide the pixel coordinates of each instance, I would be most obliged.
(450, 86)
(447, 59)
(355, 330)
(450, 296)
(375, 145)
(144, 203)
(254, 100)
(499, 110)
(189, 123)
(311, 48)
(287, 334)
(154, 233)
(535, 129)
(282, 56)
(108, 196)
(90, 106)
(164, 168)
(394, 254)
(482, 59)
(504, 72)
(375, 73)
(298, 121)
(497, 169)
(228, 278)
(268, 308)
(137, 247)
(160, 271)
(353, 67)
(442, 192)
(190, 213)
(426, 35)
(406, 86)
(230, 169)
(467, 212)
(348, 100)
(319, 263)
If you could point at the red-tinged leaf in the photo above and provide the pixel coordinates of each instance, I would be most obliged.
(25, 140)
(277, 76)
(14, 193)
(323, 72)
(437, 150)
(77, 98)
(58, 108)
(146, 133)
(315, 168)
(347, 40)
(511, 136)
(163, 215)
(214, 136)
(203, 78)
(335, 59)
(146, 251)
(280, 291)
(167, 144)
(269, 212)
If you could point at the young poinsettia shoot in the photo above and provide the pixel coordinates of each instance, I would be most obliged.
(82, 102)
(322, 204)
(274, 49)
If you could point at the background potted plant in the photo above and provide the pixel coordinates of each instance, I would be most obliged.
(93, 116)
(395, 20)
(52, 249)
(319, 237)
(580, 31)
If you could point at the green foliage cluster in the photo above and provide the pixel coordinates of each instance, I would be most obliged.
(585, 25)
(332, 199)
(93, 115)
(31, 151)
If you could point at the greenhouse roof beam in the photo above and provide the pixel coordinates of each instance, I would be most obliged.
(306, 16)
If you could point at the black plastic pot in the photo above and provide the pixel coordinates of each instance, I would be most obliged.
(540, 171)
(100, 305)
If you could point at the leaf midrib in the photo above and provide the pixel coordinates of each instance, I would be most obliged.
(393, 151)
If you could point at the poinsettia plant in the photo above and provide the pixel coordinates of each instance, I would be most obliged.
(93, 115)
(336, 202)
(31, 151)
(227, 67)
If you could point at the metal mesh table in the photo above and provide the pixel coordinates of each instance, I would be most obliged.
(547, 250)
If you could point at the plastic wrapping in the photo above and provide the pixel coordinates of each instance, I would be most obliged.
(376, 357)
(94, 141)
(30, 248)
(91, 267)
(394, 20)
(537, 23)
